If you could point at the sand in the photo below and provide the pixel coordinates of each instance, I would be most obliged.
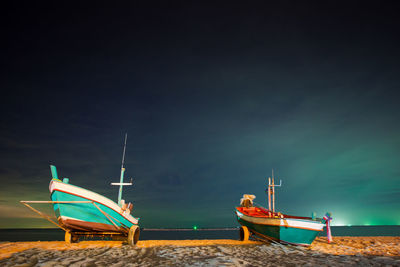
(344, 251)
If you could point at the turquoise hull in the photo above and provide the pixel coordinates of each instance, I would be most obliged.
(290, 235)
(100, 214)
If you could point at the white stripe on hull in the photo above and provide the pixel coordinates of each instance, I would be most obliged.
(69, 218)
(288, 222)
(81, 192)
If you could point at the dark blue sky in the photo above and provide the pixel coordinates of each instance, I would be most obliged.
(212, 97)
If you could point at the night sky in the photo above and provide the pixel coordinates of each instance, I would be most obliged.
(213, 97)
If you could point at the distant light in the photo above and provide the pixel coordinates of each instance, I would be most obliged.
(195, 227)
(339, 222)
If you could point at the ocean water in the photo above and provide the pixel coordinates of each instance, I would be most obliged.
(55, 234)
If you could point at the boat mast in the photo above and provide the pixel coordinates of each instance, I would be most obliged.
(271, 191)
(121, 181)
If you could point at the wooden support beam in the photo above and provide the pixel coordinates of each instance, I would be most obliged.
(53, 202)
(107, 216)
(43, 215)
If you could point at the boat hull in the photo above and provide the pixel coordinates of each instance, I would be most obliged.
(285, 230)
(99, 215)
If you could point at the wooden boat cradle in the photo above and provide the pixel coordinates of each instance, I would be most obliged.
(76, 233)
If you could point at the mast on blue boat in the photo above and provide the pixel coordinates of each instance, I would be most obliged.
(121, 180)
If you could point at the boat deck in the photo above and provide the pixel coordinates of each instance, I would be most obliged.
(265, 213)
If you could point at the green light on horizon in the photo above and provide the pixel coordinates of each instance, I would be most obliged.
(195, 227)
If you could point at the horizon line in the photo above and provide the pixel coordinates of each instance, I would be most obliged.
(192, 229)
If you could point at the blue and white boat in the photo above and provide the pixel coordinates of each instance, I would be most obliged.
(80, 210)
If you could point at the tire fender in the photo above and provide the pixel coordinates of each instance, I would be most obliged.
(133, 235)
(244, 233)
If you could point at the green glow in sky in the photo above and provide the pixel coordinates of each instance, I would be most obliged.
(211, 104)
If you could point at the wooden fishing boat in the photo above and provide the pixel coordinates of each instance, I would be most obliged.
(81, 212)
(78, 209)
(270, 225)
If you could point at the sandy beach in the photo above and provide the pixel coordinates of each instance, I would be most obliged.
(344, 251)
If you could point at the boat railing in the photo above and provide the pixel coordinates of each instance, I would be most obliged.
(271, 214)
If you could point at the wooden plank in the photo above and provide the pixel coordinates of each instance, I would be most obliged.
(98, 233)
(53, 202)
(43, 215)
(109, 217)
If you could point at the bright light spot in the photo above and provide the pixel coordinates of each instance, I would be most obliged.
(339, 222)
(195, 227)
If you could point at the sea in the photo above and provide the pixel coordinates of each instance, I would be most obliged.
(55, 234)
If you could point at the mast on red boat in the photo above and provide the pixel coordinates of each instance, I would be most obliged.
(271, 191)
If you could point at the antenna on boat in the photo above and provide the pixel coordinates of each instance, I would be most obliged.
(271, 191)
(123, 153)
(121, 181)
